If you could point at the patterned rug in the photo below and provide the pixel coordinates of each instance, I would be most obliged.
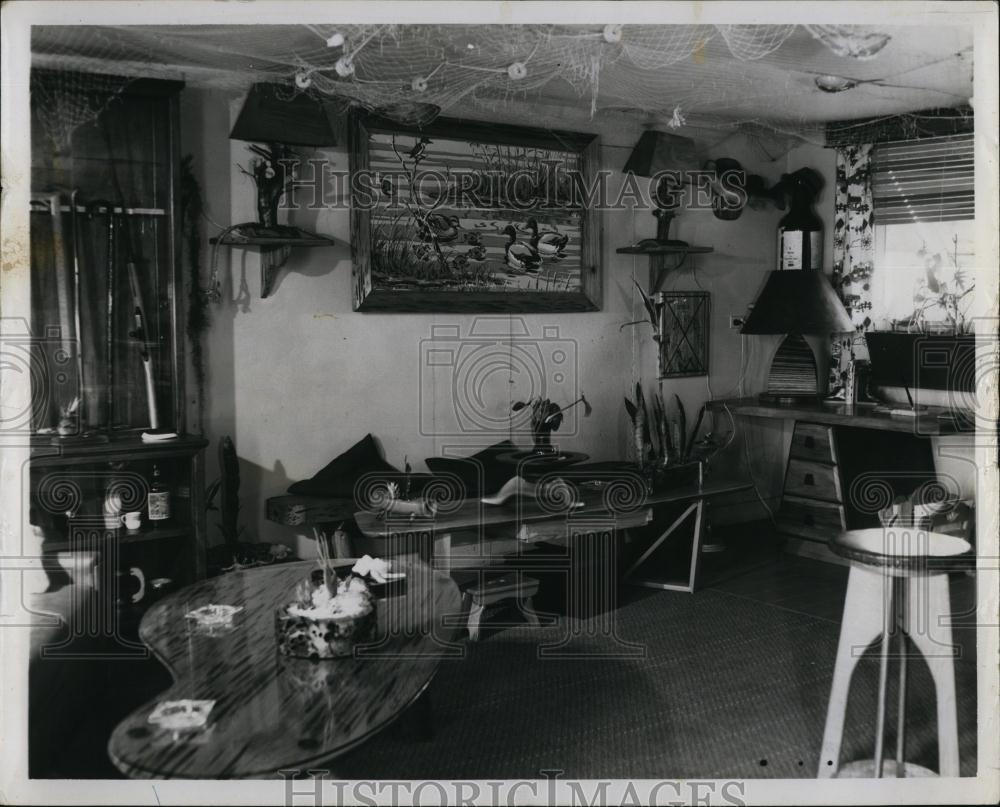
(729, 687)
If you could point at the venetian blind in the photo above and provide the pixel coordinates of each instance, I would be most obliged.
(924, 180)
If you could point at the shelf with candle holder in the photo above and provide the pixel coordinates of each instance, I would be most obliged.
(663, 259)
(274, 243)
(668, 159)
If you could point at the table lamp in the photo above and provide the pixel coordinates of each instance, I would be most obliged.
(657, 152)
(797, 303)
(279, 117)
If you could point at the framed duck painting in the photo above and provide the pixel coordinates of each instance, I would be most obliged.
(468, 216)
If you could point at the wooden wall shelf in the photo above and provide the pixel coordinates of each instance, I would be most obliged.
(663, 260)
(274, 251)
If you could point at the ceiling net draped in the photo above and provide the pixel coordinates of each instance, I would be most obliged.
(678, 73)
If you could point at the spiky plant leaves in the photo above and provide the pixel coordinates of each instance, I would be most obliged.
(681, 426)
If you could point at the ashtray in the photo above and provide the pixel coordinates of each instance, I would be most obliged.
(214, 616)
(181, 715)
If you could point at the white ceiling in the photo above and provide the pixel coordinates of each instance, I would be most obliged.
(920, 68)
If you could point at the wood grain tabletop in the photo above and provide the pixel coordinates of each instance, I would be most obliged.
(272, 712)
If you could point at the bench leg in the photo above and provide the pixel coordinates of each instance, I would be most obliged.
(475, 617)
(528, 610)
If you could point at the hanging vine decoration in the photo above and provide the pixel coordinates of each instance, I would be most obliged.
(197, 312)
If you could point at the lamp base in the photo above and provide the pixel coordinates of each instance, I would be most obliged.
(793, 372)
(788, 398)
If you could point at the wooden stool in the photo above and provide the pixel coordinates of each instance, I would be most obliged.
(490, 592)
(898, 582)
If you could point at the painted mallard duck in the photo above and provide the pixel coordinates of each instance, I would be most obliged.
(443, 228)
(520, 257)
(549, 243)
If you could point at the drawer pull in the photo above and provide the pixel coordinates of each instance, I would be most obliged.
(810, 441)
(808, 480)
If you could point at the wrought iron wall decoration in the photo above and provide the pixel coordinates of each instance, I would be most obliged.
(683, 332)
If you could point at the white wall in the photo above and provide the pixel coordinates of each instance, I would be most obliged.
(299, 377)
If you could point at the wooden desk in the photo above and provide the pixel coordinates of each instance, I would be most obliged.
(272, 712)
(933, 422)
(846, 462)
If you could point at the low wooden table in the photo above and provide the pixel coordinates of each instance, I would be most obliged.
(272, 712)
(470, 534)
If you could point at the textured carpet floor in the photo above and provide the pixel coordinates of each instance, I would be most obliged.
(730, 687)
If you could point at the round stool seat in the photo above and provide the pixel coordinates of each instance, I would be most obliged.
(906, 549)
(865, 769)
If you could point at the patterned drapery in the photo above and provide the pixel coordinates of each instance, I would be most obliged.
(853, 251)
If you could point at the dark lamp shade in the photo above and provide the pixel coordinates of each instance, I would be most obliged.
(659, 151)
(276, 114)
(798, 301)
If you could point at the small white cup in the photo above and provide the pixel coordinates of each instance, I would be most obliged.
(132, 521)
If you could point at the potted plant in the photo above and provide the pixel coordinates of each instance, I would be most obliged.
(944, 287)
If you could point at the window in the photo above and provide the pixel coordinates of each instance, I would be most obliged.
(923, 198)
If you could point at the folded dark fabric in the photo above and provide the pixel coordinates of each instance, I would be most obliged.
(338, 478)
(479, 474)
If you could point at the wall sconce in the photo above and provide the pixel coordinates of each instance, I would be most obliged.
(654, 154)
(279, 117)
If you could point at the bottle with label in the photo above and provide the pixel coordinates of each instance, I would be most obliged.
(158, 499)
(800, 232)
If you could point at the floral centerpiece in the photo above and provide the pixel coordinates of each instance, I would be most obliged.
(328, 616)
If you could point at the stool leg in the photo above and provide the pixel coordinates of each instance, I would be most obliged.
(888, 617)
(475, 617)
(935, 642)
(860, 626)
(901, 605)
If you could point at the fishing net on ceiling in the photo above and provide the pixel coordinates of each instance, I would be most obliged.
(62, 101)
(414, 72)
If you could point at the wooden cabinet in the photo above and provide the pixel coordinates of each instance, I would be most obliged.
(837, 478)
(812, 505)
(105, 209)
(78, 495)
(102, 199)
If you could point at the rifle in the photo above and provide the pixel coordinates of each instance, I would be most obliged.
(139, 333)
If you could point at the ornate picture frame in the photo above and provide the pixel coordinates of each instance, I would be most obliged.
(466, 216)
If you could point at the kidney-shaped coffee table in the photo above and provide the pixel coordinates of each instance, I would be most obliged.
(270, 712)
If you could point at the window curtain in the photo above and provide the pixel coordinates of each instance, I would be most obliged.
(853, 251)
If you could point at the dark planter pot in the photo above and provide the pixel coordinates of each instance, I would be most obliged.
(924, 361)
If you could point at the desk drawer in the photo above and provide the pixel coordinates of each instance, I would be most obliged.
(811, 441)
(813, 480)
(811, 518)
